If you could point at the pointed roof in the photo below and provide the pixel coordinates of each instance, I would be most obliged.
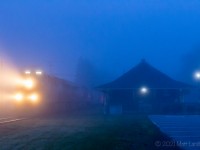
(144, 74)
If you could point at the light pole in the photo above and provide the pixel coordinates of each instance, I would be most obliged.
(197, 77)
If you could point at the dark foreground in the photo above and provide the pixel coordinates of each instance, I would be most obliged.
(83, 133)
(184, 129)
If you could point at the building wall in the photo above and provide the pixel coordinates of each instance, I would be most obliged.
(155, 101)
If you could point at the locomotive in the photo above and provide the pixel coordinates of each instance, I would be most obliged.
(28, 88)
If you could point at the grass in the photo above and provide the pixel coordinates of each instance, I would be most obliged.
(82, 133)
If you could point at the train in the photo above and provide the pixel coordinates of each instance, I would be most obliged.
(20, 92)
(27, 89)
(37, 92)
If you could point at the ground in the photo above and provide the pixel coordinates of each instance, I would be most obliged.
(83, 132)
(184, 129)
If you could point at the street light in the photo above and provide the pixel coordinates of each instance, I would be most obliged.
(144, 90)
(197, 75)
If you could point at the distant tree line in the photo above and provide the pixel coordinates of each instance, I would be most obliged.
(88, 75)
(190, 64)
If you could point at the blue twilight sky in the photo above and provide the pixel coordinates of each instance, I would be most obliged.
(112, 34)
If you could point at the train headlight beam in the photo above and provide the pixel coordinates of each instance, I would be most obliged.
(33, 98)
(29, 83)
(27, 72)
(19, 97)
(38, 72)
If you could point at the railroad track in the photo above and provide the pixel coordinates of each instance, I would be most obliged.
(6, 120)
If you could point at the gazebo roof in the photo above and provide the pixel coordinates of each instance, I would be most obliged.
(146, 75)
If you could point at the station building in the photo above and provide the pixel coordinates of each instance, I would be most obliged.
(144, 89)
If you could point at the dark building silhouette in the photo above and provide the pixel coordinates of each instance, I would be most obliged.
(144, 89)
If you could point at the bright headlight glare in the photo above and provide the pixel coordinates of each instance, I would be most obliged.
(29, 83)
(33, 97)
(27, 72)
(38, 72)
(19, 97)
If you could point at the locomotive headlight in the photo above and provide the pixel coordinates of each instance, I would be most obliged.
(33, 98)
(27, 72)
(29, 83)
(19, 97)
(38, 72)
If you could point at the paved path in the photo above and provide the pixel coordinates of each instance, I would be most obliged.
(184, 130)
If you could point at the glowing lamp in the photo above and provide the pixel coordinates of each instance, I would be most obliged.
(27, 72)
(33, 98)
(19, 97)
(144, 90)
(38, 72)
(197, 75)
(29, 83)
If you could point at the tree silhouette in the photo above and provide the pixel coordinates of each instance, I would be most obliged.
(190, 64)
(85, 73)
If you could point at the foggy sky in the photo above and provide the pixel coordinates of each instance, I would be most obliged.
(113, 34)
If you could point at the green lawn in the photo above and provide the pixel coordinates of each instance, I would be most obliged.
(82, 133)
